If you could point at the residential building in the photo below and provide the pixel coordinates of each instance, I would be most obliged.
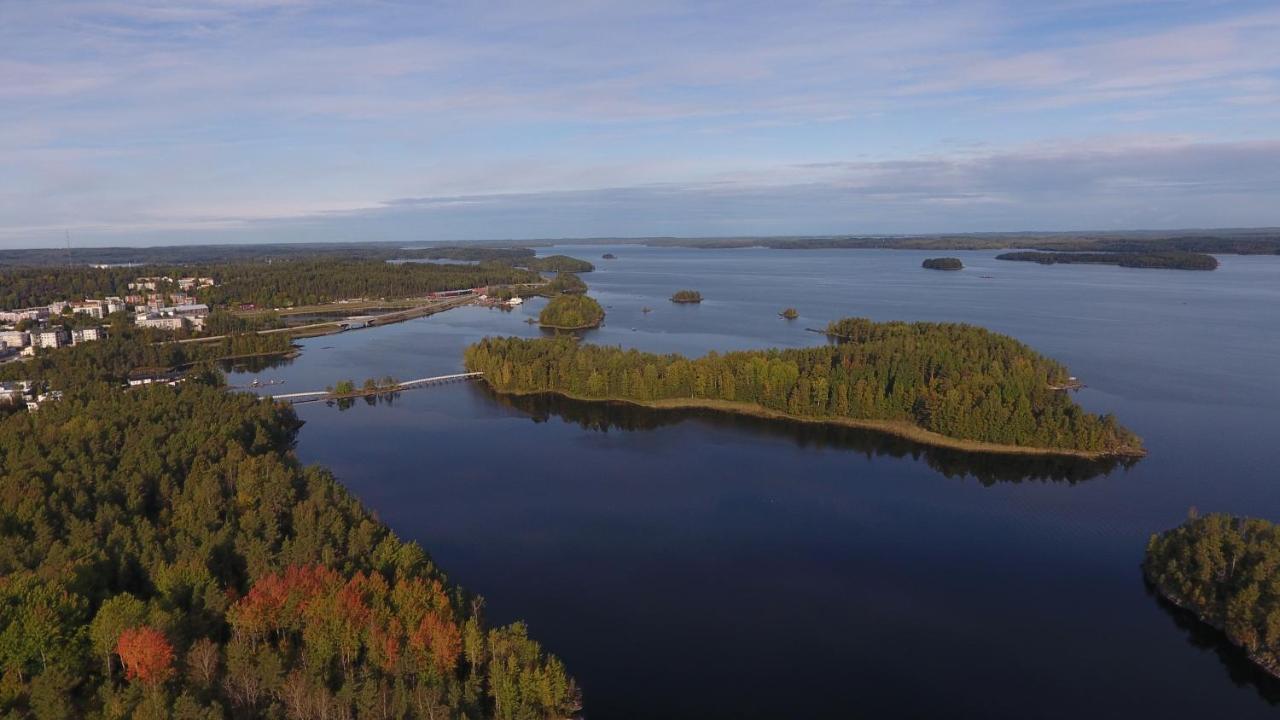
(113, 305)
(15, 338)
(16, 316)
(52, 338)
(92, 308)
(56, 307)
(88, 334)
(158, 321)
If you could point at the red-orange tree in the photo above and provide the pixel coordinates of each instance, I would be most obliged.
(146, 655)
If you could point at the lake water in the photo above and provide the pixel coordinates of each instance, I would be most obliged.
(700, 566)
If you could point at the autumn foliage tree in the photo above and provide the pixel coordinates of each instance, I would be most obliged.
(146, 655)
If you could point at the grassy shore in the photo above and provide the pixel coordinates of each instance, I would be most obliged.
(897, 428)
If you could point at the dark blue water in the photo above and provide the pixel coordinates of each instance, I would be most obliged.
(696, 565)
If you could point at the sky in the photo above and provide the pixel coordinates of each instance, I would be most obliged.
(149, 122)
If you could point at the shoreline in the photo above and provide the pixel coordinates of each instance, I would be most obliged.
(1268, 668)
(896, 428)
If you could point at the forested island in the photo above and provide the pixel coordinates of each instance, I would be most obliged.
(686, 296)
(1226, 570)
(1161, 260)
(946, 263)
(163, 554)
(609, 256)
(789, 314)
(951, 385)
(571, 312)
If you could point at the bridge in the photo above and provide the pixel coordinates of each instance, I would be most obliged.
(359, 392)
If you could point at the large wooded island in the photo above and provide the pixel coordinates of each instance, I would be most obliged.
(951, 385)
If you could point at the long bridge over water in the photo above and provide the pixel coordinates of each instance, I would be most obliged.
(407, 385)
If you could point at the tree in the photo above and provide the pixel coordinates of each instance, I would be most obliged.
(146, 655)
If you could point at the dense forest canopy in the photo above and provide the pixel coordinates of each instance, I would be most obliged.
(307, 282)
(283, 283)
(126, 350)
(956, 380)
(565, 282)
(164, 555)
(1227, 571)
(571, 312)
(946, 263)
(686, 296)
(1165, 260)
(479, 254)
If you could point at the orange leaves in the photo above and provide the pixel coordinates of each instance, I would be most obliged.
(146, 655)
(360, 617)
(439, 639)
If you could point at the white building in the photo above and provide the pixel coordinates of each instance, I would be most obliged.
(87, 335)
(92, 308)
(15, 338)
(15, 316)
(49, 338)
(113, 305)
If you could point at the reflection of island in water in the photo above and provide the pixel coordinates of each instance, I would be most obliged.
(255, 364)
(987, 468)
(1242, 671)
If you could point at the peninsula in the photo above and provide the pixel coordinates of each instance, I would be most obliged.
(1223, 569)
(948, 385)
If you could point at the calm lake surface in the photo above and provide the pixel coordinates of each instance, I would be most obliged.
(700, 566)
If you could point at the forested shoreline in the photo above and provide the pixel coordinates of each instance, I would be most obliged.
(283, 283)
(950, 380)
(1226, 570)
(163, 554)
(1156, 260)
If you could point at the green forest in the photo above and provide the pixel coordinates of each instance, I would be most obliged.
(308, 282)
(565, 282)
(1161, 260)
(1227, 571)
(282, 283)
(164, 555)
(945, 263)
(556, 263)
(957, 380)
(127, 350)
(571, 312)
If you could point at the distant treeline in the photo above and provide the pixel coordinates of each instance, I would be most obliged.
(1226, 570)
(475, 254)
(1163, 260)
(557, 263)
(956, 380)
(280, 283)
(306, 282)
(1241, 242)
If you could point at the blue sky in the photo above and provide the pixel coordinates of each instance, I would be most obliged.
(149, 122)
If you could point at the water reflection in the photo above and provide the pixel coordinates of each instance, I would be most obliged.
(987, 469)
(1242, 671)
(256, 364)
